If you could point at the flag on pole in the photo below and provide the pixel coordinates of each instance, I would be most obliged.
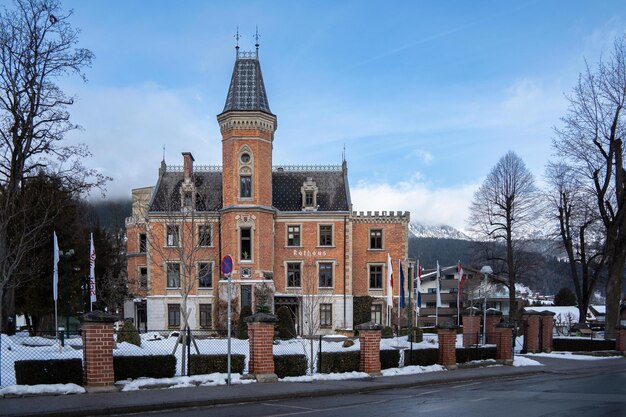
(402, 304)
(389, 282)
(459, 269)
(418, 285)
(437, 286)
(92, 274)
(55, 268)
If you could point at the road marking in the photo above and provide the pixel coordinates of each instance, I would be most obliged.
(479, 399)
(289, 406)
(427, 392)
(466, 385)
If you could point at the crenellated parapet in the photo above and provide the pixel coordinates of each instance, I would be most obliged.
(381, 217)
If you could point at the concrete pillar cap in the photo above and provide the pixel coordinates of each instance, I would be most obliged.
(493, 312)
(548, 313)
(370, 325)
(98, 316)
(261, 318)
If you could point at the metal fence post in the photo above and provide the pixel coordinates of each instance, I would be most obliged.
(319, 357)
(188, 351)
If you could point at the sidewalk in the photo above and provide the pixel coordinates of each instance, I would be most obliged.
(167, 399)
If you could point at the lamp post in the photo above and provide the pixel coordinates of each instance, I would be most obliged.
(486, 270)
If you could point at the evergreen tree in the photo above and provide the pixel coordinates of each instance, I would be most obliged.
(565, 297)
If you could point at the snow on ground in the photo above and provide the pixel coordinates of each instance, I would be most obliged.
(570, 355)
(209, 380)
(51, 389)
(523, 361)
(411, 370)
(325, 377)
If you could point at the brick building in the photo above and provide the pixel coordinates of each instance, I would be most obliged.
(290, 231)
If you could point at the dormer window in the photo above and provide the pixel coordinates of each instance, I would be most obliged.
(309, 195)
(187, 199)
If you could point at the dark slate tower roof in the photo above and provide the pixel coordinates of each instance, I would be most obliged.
(247, 90)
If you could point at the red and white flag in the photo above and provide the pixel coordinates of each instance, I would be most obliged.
(92, 274)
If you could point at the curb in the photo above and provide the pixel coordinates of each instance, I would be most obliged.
(252, 398)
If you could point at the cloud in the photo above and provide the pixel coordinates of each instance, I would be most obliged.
(447, 205)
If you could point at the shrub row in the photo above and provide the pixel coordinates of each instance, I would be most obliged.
(389, 359)
(582, 345)
(421, 357)
(133, 367)
(208, 364)
(329, 362)
(475, 354)
(54, 371)
(290, 365)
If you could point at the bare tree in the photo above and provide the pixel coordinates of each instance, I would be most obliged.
(590, 140)
(37, 47)
(503, 210)
(316, 295)
(579, 228)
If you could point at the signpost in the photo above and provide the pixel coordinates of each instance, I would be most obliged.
(227, 269)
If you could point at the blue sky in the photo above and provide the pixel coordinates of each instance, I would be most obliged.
(425, 96)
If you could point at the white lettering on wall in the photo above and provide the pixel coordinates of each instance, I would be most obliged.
(309, 253)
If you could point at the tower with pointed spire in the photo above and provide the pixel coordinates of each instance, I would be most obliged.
(247, 126)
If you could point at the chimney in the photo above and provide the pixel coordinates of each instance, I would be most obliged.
(187, 165)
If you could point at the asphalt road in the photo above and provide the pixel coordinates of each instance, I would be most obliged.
(598, 390)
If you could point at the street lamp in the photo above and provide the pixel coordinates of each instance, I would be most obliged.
(486, 270)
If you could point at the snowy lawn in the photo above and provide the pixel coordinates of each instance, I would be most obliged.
(52, 389)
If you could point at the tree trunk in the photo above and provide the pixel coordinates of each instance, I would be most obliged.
(613, 294)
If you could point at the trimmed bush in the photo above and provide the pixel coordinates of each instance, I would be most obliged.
(208, 364)
(286, 327)
(329, 362)
(421, 357)
(242, 326)
(475, 354)
(389, 359)
(386, 333)
(129, 334)
(54, 371)
(133, 367)
(582, 345)
(290, 365)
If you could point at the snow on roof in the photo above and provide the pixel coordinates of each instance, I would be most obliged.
(562, 315)
(601, 309)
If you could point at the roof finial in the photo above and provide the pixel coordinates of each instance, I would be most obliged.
(163, 152)
(256, 38)
(237, 36)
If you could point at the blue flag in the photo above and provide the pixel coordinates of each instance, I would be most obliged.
(402, 304)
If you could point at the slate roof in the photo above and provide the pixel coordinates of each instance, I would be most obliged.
(247, 90)
(333, 194)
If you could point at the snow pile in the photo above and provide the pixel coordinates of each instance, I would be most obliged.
(411, 370)
(209, 380)
(325, 377)
(51, 389)
(522, 361)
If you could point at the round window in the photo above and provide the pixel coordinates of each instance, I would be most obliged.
(245, 158)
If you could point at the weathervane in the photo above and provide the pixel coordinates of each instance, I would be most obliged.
(237, 36)
(256, 38)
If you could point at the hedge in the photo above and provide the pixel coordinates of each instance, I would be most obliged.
(582, 345)
(208, 364)
(329, 362)
(421, 357)
(389, 359)
(53, 371)
(133, 367)
(361, 309)
(386, 333)
(475, 354)
(290, 365)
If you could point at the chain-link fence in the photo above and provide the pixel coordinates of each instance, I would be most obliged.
(38, 346)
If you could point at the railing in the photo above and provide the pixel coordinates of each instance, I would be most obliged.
(302, 168)
(196, 168)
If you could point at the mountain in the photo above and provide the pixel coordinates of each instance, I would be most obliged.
(437, 232)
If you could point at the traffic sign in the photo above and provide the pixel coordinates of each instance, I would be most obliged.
(227, 265)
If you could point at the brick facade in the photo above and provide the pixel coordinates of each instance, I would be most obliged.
(263, 215)
(97, 335)
(547, 326)
(620, 341)
(261, 335)
(503, 336)
(369, 340)
(493, 318)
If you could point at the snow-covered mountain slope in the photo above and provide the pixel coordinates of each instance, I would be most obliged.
(439, 232)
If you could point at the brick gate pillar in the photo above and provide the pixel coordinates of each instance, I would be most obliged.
(620, 340)
(471, 330)
(261, 336)
(503, 335)
(494, 317)
(369, 339)
(532, 336)
(446, 336)
(547, 326)
(97, 333)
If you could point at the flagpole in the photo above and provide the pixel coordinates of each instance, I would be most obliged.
(55, 281)
(399, 292)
